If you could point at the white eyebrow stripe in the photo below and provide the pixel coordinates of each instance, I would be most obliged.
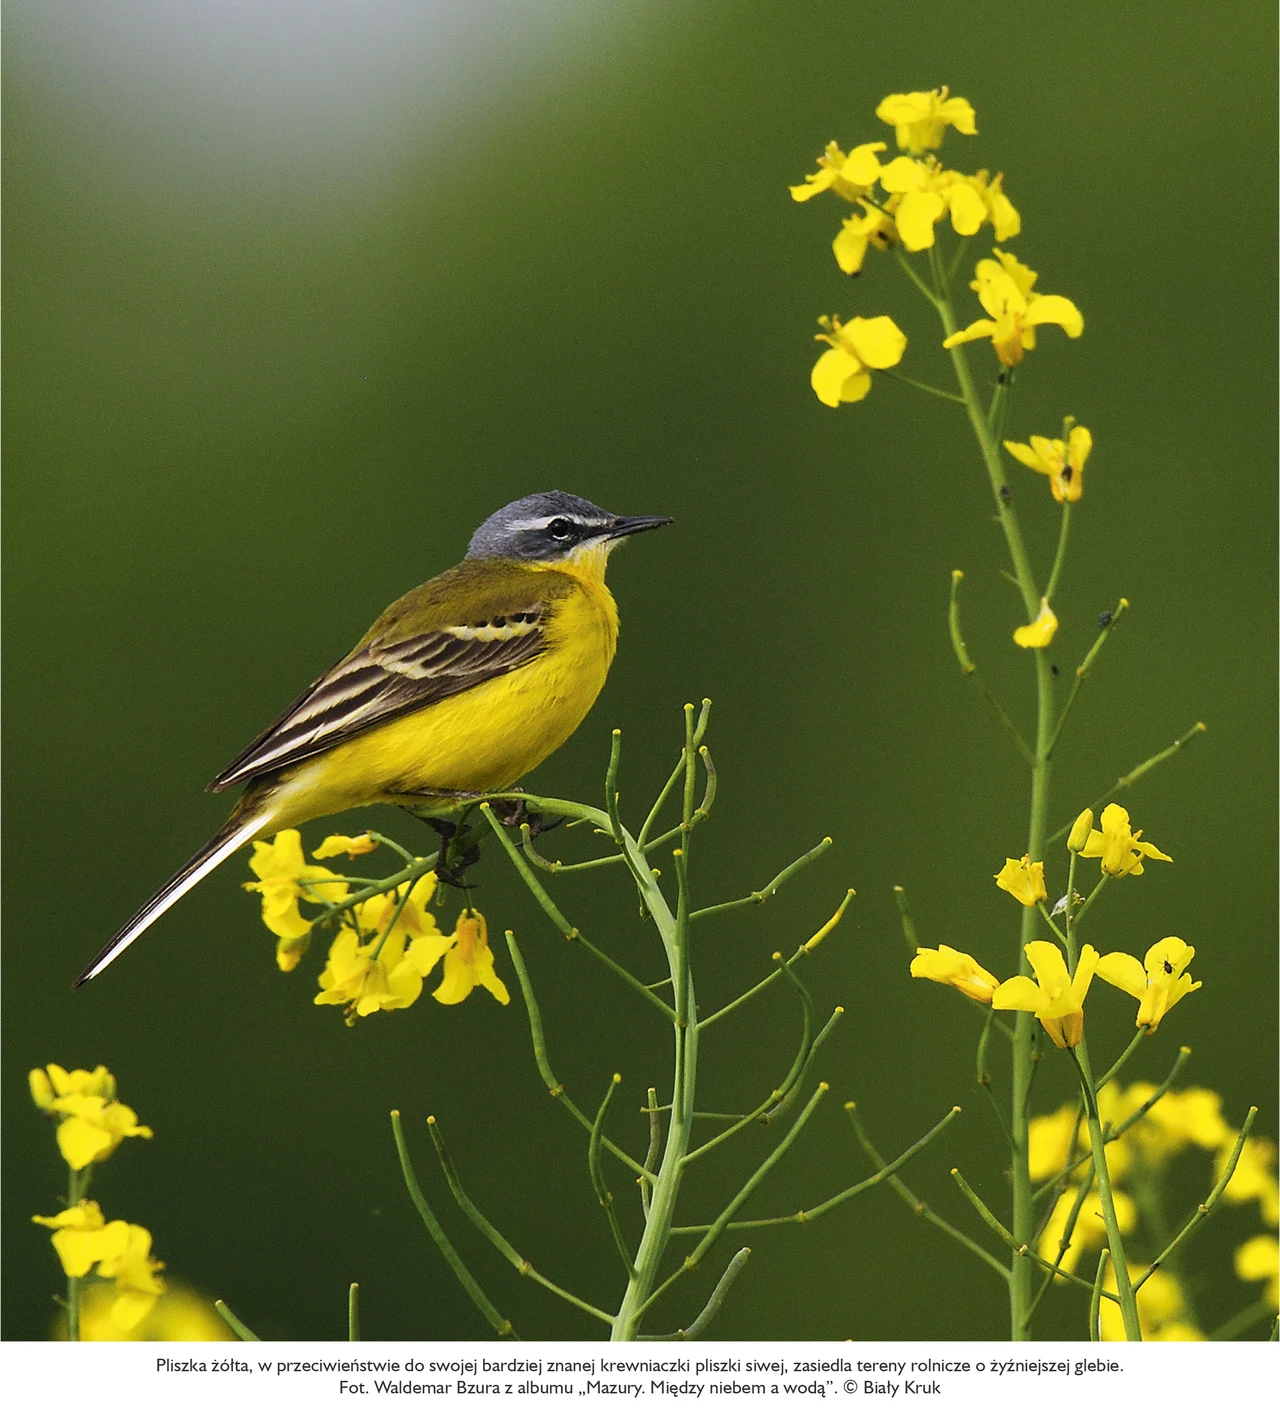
(524, 525)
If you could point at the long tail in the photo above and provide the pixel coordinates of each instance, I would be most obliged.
(236, 831)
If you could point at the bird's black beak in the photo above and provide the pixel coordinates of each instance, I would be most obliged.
(637, 524)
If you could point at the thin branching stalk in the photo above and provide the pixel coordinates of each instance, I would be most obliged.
(495, 1237)
(441, 1240)
(917, 1206)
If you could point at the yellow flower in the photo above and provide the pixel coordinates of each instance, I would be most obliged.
(81, 1236)
(91, 1128)
(369, 980)
(337, 844)
(872, 227)
(180, 1314)
(51, 1083)
(412, 918)
(135, 1272)
(1004, 289)
(922, 192)
(1080, 830)
(1089, 1231)
(1260, 1259)
(1039, 633)
(1120, 849)
(469, 962)
(920, 120)
(842, 372)
(1161, 1309)
(850, 177)
(1254, 1176)
(1023, 880)
(1055, 996)
(1063, 462)
(1051, 1140)
(281, 873)
(1159, 985)
(947, 966)
(1192, 1117)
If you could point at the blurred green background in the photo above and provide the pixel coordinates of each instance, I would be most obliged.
(298, 293)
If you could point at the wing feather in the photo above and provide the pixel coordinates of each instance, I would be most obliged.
(383, 679)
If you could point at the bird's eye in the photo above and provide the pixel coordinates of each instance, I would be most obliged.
(560, 529)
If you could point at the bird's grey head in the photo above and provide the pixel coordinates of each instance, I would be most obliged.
(542, 528)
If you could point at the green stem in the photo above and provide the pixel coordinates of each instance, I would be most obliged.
(1095, 1300)
(1129, 779)
(921, 386)
(495, 1236)
(77, 1189)
(757, 898)
(1102, 1175)
(555, 1088)
(1203, 1211)
(699, 1324)
(598, 1182)
(353, 1312)
(674, 932)
(441, 1240)
(232, 1321)
(1023, 1212)
(1060, 556)
(916, 1205)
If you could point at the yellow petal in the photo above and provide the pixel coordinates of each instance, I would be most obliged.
(338, 844)
(983, 328)
(1039, 633)
(1026, 456)
(850, 246)
(968, 210)
(830, 373)
(1020, 992)
(1053, 308)
(863, 166)
(1079, 444)
(904, 174)
(916, 217)
(877, 342)
(1050, 968)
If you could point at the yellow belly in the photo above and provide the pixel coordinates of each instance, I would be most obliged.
(482, 740)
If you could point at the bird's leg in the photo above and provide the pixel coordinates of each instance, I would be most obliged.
(515, 812)
(459, 850)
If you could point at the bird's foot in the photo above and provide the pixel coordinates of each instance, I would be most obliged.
(459, 850)
(515, 812)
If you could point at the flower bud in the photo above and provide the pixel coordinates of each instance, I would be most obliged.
(1080, 830)
(41, 1088)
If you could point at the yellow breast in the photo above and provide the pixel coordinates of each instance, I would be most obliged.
(483, 740)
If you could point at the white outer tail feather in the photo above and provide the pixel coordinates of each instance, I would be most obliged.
(220, 848)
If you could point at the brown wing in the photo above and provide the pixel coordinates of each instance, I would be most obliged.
(382, 679)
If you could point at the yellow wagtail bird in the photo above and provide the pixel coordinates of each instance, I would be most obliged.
(459, 688)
